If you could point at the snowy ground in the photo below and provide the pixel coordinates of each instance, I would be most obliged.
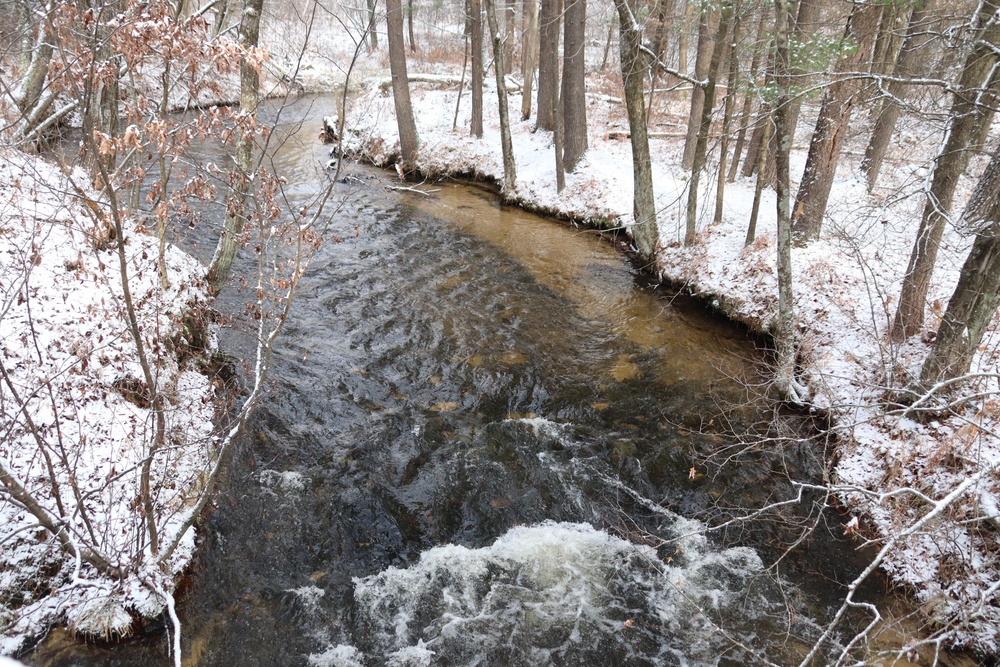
(70, 365)
(846, 285)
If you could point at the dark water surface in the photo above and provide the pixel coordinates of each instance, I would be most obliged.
(490, 442)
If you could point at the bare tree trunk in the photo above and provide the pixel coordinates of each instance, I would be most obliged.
(574, 84)
(409, 25)
(805, 24)
(699, 158)
(974, 302)
(831, 127)
(759, 184)
(408, 140)
(964, 125)
(236, 207)
(32, 84)
(607, 42)
(727, 117)
(748, 97)
(557, 143)
(372, 27)
(509, 166)
(509, 40)
(529, 54)
(550, 15)
(701, 70)
(910, 54)
(475, 19)
(786, 334)
(644, 228)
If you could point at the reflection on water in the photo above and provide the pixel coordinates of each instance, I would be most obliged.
(480, 425)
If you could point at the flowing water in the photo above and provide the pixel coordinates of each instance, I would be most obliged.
(490, 442)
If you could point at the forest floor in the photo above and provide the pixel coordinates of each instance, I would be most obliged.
(891, 466)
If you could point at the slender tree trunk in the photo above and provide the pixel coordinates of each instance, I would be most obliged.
(236, 206)
(372, 26)
(509, 41)
(974, 302)
(557, 143)
(701, 70)
(574, 84)
(529, 54)
(550, 15)
(965, 124)
(786, 334)
(509, 166)
(644, 228)
(476, 33)
(699, 158)
(461, 84)
(748, 96)
(409, 25)
(612, 24)
(408, 140)
(758, 190)
(727, 117)
(832, 125)
(914, 48)
(805, 24)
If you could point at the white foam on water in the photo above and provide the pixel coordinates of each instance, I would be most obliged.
(554, 592)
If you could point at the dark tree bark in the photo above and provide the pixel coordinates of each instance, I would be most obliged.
(805, 25)
(509, 166)
(529, 54)
(409, 25)
(408, 140)
(913, 50)
(475, 19)
(236, 206)
(974, 302)
(574, 85)
(831, 127)
(748, 96)
(549, 18)
(372, 27)
(644, 229)
(727, 117)
(701, 70)
(965, 125)
(701, 141)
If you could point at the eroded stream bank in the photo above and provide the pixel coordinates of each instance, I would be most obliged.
(486, 443)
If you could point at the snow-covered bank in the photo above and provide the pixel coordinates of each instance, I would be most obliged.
(890, 467)
(74, 410)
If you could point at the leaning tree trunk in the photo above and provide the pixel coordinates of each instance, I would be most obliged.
(748, 96)
(705, 124)
(236, 206)
(907, 62)
(549, 18)
(509, 166)
(832, 125)
(400, 83)
(644, 228)
(701, 70)
(974, 301)
(574, 84)
(475, 19)
(965, 123)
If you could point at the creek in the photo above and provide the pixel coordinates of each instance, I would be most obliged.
(490, 441)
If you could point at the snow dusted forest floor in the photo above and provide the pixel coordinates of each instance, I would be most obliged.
(893, 466)
(70, 365)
